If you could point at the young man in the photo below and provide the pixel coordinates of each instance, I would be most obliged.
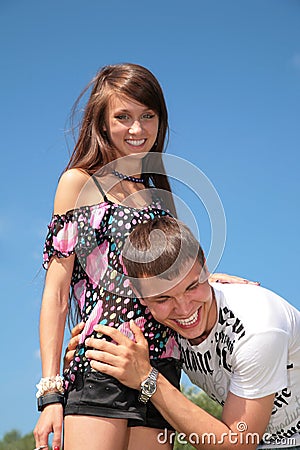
(239, 343)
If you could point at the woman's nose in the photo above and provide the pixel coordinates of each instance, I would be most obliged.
(135, 127)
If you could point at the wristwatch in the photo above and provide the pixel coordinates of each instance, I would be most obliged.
(148, 387)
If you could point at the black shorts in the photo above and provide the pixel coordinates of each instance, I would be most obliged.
(104, 396)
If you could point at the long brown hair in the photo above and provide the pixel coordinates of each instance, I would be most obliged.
(93, 149)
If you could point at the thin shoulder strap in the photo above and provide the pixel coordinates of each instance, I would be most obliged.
(100, 188)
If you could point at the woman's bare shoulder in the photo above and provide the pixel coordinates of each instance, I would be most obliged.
(69, 189)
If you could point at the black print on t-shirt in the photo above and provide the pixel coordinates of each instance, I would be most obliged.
(227, 318)
(196, 361)
(230, 330)
(223, 354)
(281, 399)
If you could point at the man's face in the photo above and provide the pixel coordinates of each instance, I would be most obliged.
(188, 307)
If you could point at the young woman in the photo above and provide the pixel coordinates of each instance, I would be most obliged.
(100, 197)
(108, 187)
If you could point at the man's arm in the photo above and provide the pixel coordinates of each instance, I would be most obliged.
(242, 426)
(243, 421)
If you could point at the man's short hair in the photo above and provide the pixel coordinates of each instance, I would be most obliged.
(162, 247)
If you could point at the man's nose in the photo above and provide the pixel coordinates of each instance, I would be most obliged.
(182, 306)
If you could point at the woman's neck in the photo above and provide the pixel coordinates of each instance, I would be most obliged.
(130, 166)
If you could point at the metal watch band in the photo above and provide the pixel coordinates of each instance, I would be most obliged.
(153, 374)
(145, 395)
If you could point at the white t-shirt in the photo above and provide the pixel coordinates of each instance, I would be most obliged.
(252, 351)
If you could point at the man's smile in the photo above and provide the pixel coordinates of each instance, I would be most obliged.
(190, 321)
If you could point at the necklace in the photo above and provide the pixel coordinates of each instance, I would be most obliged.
(127, 177)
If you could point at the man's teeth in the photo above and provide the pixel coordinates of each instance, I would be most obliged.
(136, 142)
(190, 320)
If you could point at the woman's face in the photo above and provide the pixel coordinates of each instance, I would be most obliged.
(131, 126)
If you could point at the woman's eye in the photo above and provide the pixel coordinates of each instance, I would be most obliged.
(148, 116)
(122, 117)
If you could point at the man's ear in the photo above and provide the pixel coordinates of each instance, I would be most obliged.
(204, 273)
(142, 301)
(206, 269)
(138, 293)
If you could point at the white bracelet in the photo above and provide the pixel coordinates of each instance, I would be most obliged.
(50, 384)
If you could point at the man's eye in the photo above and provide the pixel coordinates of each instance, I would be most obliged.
(161, 302)
(193, 287)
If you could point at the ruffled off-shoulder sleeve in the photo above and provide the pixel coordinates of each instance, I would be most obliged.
(78, 231)
(61, 238)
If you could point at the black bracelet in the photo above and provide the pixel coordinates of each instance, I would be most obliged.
(48, 399)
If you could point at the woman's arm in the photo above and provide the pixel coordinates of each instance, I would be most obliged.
(53, 313)
(58, 279)
(52, 324)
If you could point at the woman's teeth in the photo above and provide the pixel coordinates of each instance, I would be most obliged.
(136, 142)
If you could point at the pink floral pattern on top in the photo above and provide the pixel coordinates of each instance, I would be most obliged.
(97, 263)
(66, 238)
(92, 321)
(100, 287)
(125, 327)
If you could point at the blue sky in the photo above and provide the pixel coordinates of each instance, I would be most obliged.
(230, 71)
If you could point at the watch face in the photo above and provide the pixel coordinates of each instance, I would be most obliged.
(149, 387)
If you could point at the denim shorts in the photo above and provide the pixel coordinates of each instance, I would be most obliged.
(103, 396)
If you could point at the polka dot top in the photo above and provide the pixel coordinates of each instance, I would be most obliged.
(99, 285)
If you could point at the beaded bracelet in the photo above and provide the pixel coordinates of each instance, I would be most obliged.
(49, 385)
